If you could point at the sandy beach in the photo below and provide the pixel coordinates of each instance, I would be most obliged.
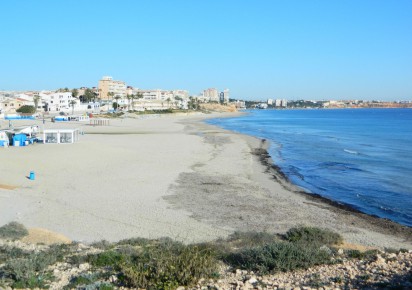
(166, 175)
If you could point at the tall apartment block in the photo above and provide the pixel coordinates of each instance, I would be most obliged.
(224, 96)
(108, 85)
(211, 95)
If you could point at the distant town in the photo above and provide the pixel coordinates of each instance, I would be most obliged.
(116, 95)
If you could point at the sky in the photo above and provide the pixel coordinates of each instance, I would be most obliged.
(258, 49)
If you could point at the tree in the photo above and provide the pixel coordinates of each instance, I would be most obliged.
(88, 95)
(117, 98)
(134, 97)
(75, 93)
(72, 103)
(36, 100)
(168, 102)
(110, 94)
(115, 105)
(26, 109)
(129, 98)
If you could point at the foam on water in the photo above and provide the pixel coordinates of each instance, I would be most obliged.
(361, 157)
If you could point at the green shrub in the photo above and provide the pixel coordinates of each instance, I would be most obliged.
(278, 256)
(90, 281)
(168, 265)
(26, 109)
(107, 259)
(369, 255)
(30, 270)
(313, 236)
(135, 242)
(8, 252)
(13, 231)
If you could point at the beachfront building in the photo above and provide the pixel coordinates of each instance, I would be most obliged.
(281, 103)
(224, 97)
(211, 95)
(10, 105)
(56, 102)
(158, 99)
(109, 89)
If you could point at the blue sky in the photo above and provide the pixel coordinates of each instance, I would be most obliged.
(258, 49)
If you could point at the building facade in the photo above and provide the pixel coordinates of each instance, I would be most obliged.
(211, 95)
(109, 88)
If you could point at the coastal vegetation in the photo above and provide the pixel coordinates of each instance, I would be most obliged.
(165, 263)
(26, 109)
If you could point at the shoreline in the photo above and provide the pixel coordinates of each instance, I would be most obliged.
(355, 217)
(279, 176)
(174, 176)
(389, 226)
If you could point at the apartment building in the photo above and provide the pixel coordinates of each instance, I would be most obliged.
(281, 103)
(224, 96)
(108, 85)
(211, 95)
(60, 101)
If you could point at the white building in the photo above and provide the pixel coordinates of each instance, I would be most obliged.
(60, 101)
(281, 103)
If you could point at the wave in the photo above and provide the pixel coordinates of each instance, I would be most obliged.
(339, 166)
(351, 151)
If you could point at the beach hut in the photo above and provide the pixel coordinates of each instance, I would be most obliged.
(4, 139)
(60, 136)
(20, 140)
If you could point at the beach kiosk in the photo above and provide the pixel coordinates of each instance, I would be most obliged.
(4, 139)
(20, 140)
(60, 136)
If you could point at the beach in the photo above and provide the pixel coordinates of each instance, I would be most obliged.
(167, 175)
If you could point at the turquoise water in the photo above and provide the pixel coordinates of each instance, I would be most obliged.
(359, 157)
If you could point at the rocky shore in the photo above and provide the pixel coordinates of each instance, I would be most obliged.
(381, 270)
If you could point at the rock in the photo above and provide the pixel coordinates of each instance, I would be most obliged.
(379, 260)
(84, 267)
(252, 280)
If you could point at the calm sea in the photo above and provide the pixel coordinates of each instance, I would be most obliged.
(359, 157)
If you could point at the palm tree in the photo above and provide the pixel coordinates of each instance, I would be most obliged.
(117, 101)
(36, 100)
(129, 97)
(72, 103)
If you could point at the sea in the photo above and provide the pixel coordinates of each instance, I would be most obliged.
(358, 157)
